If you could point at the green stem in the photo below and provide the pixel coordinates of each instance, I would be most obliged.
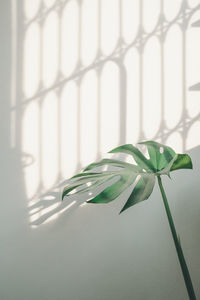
(184, 268)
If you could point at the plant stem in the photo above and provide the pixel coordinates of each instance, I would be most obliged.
(184, 268)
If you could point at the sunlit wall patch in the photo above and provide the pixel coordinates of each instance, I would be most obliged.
(70, 37)
(31, 60)
(130, 19)
(89, 31)
(88, 118)
(69, 129)
(30, 149)
(49, 140)
(173, 81)
(49, 3)
(150, 13)
(193, 66)
(109, 33)
(110, 113)
(171, 9)
(31, 8)
(151, 88)
(133, 114)
(50, 49)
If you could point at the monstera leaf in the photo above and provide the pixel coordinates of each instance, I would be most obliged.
(162, 160)
(143, 172)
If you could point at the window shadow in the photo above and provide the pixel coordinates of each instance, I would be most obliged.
(47, 130)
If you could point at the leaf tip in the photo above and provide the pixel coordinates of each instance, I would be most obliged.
(123, 209)
(183, 161)
(63, 196)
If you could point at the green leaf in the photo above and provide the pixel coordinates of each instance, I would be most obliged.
(160, 155)
(140, 159)
(83, 179)
(141, 192)
(113, 163)
(183, 161)
(167, 169)
(123, 175)
(115, 190)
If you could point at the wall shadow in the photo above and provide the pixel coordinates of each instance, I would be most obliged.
(45, 202)
(13, 194)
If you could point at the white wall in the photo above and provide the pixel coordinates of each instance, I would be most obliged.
(93, 253)
(90, 252)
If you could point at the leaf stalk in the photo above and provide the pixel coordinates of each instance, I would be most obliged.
(184, 268)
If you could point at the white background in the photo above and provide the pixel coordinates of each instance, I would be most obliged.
(76, 82)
